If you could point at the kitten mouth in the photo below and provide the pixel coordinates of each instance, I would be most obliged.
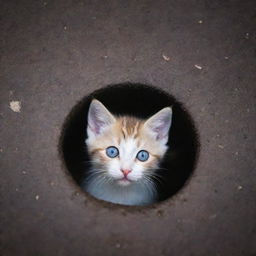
(124, 181)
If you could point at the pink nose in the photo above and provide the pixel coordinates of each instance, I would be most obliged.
(126, 172)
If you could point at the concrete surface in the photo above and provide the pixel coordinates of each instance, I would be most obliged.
(53, 53)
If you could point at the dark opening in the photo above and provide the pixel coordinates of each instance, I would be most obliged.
(141, 101)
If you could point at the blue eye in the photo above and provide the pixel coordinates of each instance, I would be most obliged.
(143, 155)
(112, 152)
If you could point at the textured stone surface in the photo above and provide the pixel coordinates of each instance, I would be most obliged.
(55, 52)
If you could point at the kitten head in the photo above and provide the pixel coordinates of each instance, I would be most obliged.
(126, 149)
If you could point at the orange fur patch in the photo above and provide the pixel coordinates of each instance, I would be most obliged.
(124, 128)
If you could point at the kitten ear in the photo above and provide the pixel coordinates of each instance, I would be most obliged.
(99, 118)
(159, 124)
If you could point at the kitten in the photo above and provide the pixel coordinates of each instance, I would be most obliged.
(125, 153)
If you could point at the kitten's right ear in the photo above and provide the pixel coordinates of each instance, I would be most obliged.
(99, 118)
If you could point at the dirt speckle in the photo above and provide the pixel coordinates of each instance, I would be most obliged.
(74, 195)
(52, 183)
(160, 213)
(37, 197)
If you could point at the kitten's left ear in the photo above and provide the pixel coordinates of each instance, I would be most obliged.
(159, 124)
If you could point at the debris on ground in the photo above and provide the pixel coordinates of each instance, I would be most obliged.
(15, 106)
(166, 58)
(197, 66)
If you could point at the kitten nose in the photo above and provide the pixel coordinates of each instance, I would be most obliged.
(125, 172)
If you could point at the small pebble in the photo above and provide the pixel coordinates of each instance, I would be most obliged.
(118, 245)
(37, 197)
(24, 172)
(200, 21)
(15, 106)
(221, 146)
(239, 187)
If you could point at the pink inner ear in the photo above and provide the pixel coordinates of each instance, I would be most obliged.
(99, 117)
(159, 130)
(97, 126)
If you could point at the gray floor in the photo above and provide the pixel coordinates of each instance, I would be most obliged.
(55, 52)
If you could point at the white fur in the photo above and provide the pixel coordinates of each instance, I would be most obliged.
(108, 186)
(132, 194)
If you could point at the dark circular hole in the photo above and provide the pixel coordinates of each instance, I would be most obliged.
(141, 101)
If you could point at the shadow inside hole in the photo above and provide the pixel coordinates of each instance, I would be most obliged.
(141, 101)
